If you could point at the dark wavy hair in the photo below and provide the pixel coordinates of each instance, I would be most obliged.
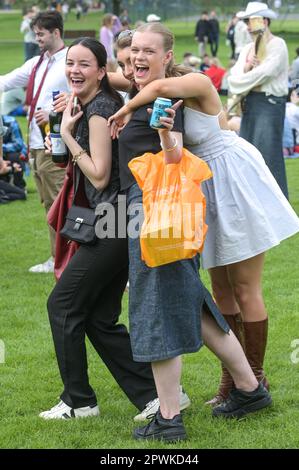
(100, 54)
(49, 20)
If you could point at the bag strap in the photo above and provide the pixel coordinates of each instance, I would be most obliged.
(76, 181)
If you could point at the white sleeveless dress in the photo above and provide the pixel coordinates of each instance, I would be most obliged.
(247, 212)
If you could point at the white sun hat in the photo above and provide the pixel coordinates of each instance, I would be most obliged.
(257, 9)
(152, 17)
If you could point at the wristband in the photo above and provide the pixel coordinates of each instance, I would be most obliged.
(171, 148)
(78, 156)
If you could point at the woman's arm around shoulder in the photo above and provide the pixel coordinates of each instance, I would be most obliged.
(191, 85)
(187, 86)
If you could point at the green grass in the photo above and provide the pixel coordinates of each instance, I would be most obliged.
(184, 32)
(29, 378)
(30, 381)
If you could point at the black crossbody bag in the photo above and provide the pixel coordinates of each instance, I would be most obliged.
(80, 221)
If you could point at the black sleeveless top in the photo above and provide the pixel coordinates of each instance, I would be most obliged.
(138, 137)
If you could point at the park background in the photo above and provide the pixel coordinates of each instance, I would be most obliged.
(29, 377)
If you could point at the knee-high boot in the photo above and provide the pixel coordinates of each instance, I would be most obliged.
(255, 340)
(226, 382)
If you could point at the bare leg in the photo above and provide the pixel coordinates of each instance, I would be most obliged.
(224, 296)
(246, 280)
(237, 287)
(167, 375)
(167, 423)
(227, 348)
(222, 291)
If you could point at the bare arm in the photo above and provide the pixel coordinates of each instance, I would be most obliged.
(187, 86)
(96, 166)
(192, 85)
(172, 144)
(118, 81)
(171, 141)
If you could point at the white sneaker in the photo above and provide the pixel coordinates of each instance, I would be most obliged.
(152, 406)
(46, 267)
(63, 411)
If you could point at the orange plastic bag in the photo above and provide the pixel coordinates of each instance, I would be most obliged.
(174, 207)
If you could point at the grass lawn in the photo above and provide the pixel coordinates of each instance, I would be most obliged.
(29, 378)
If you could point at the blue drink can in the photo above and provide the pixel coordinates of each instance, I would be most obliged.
(159, 111)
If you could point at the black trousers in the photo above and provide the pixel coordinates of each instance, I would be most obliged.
(214, 42)
(10, 192)
(87, 301)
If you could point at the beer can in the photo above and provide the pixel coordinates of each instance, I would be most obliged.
(159, 111)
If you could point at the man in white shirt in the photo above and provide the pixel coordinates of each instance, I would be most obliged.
(263, 80)
(48, 28)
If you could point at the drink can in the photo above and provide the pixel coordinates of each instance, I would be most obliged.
(159, 111)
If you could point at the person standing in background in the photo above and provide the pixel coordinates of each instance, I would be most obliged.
(294, 71)
(202, 33)
(65, 8)
(214, 33)
(263, 80)
(31, 47)
(230, 35)
(107, 39)
(124, 17)
(41, 75)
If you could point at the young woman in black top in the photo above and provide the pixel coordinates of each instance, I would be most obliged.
(87, 298)
(169, 308)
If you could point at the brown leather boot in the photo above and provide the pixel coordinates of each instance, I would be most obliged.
(226, 382)
(255, 338)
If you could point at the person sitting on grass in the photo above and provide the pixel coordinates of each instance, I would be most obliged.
(8, 192)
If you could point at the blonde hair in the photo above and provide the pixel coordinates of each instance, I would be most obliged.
(172, 70)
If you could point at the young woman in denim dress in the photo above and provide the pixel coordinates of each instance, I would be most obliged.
(170, 310)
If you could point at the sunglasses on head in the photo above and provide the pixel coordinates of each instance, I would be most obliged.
(128, 33)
